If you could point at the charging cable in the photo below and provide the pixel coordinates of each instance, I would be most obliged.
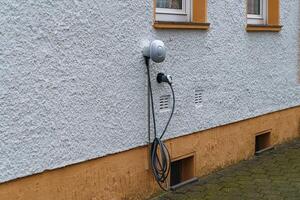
(160, 157)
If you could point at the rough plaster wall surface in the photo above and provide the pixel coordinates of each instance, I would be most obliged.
(299, 48)
(73, 81)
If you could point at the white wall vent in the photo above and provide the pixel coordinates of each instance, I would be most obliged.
(198, 97)
(164, 102)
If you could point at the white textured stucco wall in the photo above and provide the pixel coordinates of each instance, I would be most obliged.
(299, 48)
(72, 84)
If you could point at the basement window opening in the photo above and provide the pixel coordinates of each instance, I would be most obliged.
(182, 172)
(262, 142)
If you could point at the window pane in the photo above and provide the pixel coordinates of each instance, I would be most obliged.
(254, 7)
(172, 4)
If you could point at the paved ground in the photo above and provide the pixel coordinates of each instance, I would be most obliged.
(273, 175)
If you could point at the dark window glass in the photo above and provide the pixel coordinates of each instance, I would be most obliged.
(171, 4)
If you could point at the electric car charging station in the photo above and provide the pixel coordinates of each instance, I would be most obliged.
(160, 161)
(129, 100)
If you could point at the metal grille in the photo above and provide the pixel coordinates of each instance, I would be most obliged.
(198, 97)
(164, 102)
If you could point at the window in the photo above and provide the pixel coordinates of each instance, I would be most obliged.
(186, 14)
(263, 15)
(173, 10)
(257, 11)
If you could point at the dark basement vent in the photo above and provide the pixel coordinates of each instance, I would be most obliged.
(198, 97)
(164, 102)
(182, 172)
(263, 142)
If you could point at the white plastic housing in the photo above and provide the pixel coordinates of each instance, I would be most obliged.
(156, 51)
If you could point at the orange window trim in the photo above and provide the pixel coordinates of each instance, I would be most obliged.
(273, 12)
(199, 19)
(263, 28)
(273, 20)
(199, 11)
(181, 25)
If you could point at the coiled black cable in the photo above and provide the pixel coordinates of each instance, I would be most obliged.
(160, 157)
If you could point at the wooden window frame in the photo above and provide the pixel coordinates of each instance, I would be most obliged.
(197, 18)
(272, 21)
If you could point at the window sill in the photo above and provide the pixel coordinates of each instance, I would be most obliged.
(181, 25)
(263, 28)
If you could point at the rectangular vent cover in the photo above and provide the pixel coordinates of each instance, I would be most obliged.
(164, 102)
(198, 97)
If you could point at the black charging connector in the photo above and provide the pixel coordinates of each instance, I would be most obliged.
(162, 78)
